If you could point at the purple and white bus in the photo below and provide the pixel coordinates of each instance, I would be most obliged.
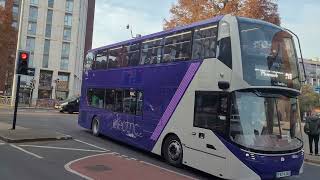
(218, 95)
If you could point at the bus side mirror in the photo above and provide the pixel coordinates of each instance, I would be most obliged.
(224, 85)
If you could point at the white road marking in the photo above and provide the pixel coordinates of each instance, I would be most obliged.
(23, 150)
(2, 143)
(189, 177)
(62, 148)
(67, 166)
(91, 145)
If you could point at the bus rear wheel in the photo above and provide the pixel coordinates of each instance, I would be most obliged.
(95, 126)
(172, 151)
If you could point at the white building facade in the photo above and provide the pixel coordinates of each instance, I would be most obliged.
(54, 32)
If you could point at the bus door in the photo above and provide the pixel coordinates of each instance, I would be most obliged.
(203, 149)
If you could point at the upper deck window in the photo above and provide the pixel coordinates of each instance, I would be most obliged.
(205, 42)
(133, 54)
(268, 55)
(88, 62)
(152, 51)
(114, 57)
(178, 47)
(101, 61)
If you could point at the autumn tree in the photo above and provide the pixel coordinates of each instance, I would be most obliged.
(8, 40)
(309, 99)
(189, 11)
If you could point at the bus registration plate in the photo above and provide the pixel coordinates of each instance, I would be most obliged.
(283, 174)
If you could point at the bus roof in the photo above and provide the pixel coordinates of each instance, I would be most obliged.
(161, 33)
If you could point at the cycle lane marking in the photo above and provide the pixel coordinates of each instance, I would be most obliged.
(92, 145)
(63, 148)
(25, 151)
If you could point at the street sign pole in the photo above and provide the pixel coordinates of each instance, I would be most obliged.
(16, 104)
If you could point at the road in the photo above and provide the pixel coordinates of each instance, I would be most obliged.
(57, 159)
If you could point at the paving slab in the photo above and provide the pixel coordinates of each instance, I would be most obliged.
(31, 135)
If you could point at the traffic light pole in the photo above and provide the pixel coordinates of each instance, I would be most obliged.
(16, 103)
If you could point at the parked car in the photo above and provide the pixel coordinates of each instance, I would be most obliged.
(70, 105)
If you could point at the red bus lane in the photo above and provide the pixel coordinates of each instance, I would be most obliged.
(114, 166)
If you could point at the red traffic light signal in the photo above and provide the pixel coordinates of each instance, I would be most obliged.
(24, 56)
(22, 64)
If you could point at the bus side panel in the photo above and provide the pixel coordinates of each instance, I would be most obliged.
(159, 84)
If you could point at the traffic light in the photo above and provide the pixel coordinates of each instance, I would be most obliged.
(23, 61)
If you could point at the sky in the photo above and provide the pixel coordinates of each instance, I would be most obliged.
(147, 16)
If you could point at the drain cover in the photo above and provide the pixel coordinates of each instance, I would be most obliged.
(98, 168)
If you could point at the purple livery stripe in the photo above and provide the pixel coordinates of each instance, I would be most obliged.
(175, 100)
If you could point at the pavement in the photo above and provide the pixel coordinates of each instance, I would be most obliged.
(309, 158)
(21, 134)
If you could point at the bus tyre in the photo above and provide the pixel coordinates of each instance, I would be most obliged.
(95, 126)
(172, 151)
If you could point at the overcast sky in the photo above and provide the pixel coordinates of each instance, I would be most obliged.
(146, 16)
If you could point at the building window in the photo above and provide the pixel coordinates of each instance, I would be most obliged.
(45, 61)
(14, 24)
(62, 86)
(65, 56)
(3, 3)
(32, 28)
(211, 111)
(34, 2)
(69, 5)
(15, 12)
(45, 85)
(67, 34)
(30, 46)
(68, 20)
(33, 13)
(50, 3)
(49, 23)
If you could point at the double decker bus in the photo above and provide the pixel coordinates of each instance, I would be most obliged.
(218, 95)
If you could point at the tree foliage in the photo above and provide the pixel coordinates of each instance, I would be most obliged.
(189, 11)
(308, 99)
(8, 41)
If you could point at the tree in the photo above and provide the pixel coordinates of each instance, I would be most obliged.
(308, 100)
(189, 11)
(8, 40)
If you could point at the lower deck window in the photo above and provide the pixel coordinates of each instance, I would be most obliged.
(126, 101)
(96, 98)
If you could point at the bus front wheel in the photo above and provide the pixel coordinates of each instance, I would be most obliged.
(172, 151)
(95, 126)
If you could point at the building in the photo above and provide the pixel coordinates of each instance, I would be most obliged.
(8, 46)
(57, 33)
(312, 68)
